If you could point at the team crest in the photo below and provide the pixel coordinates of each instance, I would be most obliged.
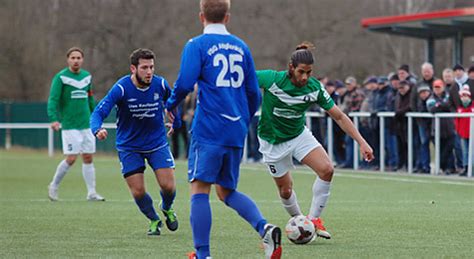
(156, 96)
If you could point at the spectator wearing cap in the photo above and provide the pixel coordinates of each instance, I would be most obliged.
(402, 106)
(460, 75)
(352, 100)
(384, 102)
(470, 72)
(460, 79)
(368, 126)
(338, 133)
(394, 82)
(403, 73)
(341, 90)
(462, 125)
(424, 129)
(439, 102)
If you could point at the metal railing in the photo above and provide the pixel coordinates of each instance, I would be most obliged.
(437, 144)
(330, 135)
(9, 126)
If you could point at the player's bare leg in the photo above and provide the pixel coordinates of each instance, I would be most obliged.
(287, 194)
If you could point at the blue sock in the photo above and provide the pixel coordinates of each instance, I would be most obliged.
(247, 209)
(145, 204)
(201, 220)
(167, 199)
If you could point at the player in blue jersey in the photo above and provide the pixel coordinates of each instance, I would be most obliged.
(228, 97)
(141, 135)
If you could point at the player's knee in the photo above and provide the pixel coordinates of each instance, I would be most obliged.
(285, 192)
(87, 158)
(326, 172)
(221, 196)
(138, 193)
(168, 187)
(70, 160)
(222, 193)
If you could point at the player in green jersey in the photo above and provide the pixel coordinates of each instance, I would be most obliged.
(283, 135)
(70, 105)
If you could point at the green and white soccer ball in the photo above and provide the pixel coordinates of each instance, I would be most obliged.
(300, 230)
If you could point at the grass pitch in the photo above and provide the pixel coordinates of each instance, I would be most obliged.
(370, 215)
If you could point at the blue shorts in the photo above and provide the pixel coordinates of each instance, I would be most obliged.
(214, 164)
(134, 162)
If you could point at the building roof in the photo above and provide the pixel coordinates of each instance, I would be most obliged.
(435, 25)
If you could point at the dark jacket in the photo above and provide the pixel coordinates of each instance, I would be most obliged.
(421, 107)
(400, 122)
(436, 104)
(384, 102)
(414, 100)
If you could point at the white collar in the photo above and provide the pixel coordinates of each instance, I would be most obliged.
(216, 28)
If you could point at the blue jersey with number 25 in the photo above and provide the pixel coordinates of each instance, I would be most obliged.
(228, 95)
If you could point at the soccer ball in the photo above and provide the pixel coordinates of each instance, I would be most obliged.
(300, 230)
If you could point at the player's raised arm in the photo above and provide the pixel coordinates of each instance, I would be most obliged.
(346, 124)
(103, 110)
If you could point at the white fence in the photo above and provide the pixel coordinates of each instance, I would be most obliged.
(330, 135)
(47, 126)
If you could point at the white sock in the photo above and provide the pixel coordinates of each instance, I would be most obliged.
(88, 172)
(291, 205)
(61, 171)
(320, 197)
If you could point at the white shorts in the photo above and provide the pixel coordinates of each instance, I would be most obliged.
(78, 142)
(279, 157)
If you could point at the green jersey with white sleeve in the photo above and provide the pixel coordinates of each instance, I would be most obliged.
(284, 105)
(70, 100)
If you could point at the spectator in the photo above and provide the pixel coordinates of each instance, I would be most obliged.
(424, 129)
(341, 90)
(460, 75)
(421, 140)
(463, 124)
(470, 72)
(352, 101)
(439, 102)
(403, 73)
(448, 78)
(460, 78)
(427, 78)
(181, 131)
(394, 82)
(402, 106)
(384, 101)
(335, 92)
(368, 126)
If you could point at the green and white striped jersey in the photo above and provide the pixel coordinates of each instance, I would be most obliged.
(70, 100)
(284, 105)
